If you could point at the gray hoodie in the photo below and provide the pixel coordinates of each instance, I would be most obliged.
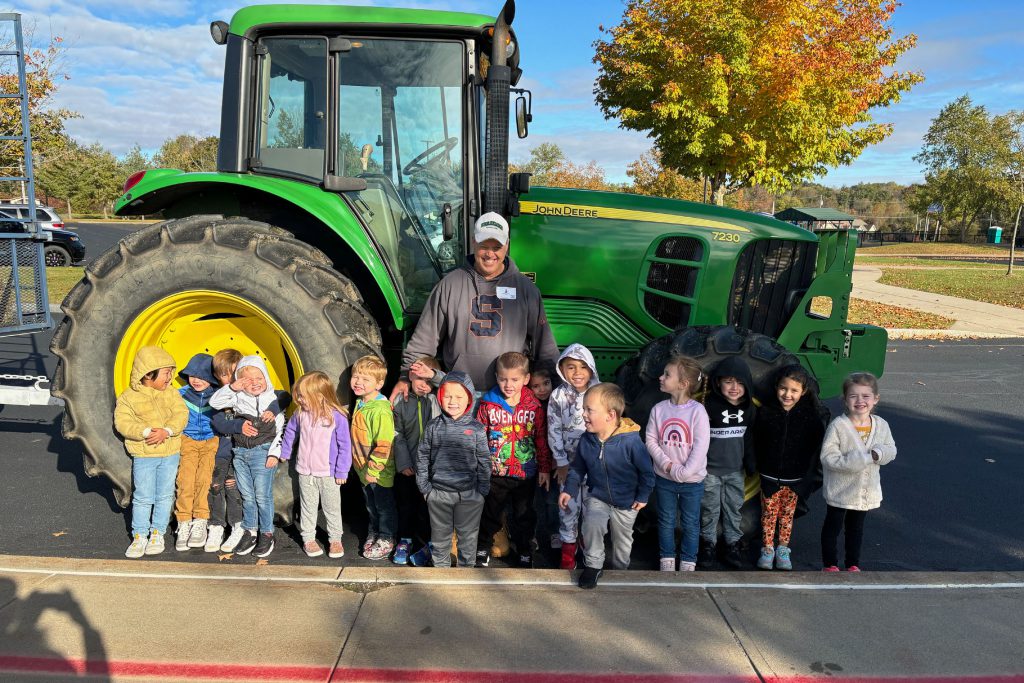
(565, 408)
(250, 407)
(453, 454)
(473, 321)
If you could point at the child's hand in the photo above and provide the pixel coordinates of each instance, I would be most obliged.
(339, 481)
(561, 474)
(272, 462)
(408, 471)
(563, 500)
(248, 429)
(421, 370)
(638, 506)
(267, 416)
(239, 384)
(370, 478)
(668, 468)
(875, 455)
(157, 436)
(229, 483)
(544, 479)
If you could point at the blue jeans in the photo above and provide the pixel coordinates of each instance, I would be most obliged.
(380, 503)
(683, 499)
(153, 493)
(256, 484)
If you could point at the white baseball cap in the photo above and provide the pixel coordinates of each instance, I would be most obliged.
(491, 226)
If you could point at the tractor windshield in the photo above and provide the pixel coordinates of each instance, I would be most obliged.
(400, 126)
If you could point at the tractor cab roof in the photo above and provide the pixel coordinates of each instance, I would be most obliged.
(248, 19)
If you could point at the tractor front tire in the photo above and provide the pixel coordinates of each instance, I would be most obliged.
(290, 285)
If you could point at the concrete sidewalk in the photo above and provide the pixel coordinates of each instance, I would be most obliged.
(121, 620)
(972, 317)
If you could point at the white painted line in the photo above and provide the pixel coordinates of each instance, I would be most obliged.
(412, 580)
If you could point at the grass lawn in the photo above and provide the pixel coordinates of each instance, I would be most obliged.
(935, 248)
(59, 282)
(989, 285)
(894, 317)
(869, 260)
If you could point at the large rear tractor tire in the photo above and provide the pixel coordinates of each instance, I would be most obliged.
(201, 284)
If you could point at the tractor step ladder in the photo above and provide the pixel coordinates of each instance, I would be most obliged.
(24, 304)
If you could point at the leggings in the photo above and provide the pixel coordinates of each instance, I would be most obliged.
(836, 519)
(780, 506)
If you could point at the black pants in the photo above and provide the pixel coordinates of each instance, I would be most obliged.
(413, 517)
(835, 520)
(225, 501)
(518, 495)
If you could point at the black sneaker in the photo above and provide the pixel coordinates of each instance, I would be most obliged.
(706, 556)
(265, 544)
(247, 543)
(526, 561)
(483, 558)
(589, 577)
(734, 556)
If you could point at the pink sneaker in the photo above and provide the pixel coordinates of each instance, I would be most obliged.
(831, 569)
(312, 549)
(853, 568)
(336, 550)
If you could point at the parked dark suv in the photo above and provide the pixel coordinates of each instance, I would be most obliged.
(64, 249)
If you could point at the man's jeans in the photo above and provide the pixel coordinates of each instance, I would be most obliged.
(723, 496)
(256, 484)
(153, 493)
(683, 499)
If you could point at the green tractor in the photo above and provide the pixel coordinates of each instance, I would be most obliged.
(357, 146)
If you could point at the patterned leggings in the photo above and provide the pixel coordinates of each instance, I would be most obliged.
(781, 506)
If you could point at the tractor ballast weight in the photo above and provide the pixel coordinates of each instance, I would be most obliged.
(350, 170)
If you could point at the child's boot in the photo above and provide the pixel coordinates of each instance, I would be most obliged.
(733, 556)
(197, 537)
(706, 556)
(138, 547)
(568, 556)
(767, 558)
(782, 560)
(181, 540)
(214, 537)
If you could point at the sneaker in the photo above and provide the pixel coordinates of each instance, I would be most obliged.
(483, 557)
(852, 568)
(831, 569)
(556, 541)
(706, 556)
(402, 551)
(138, 547)
(312, 548)
(336, 550)
(181, 540)
(568, 556)
(733, 556)
(197, 538)
(526, 561)
(371, 538)
(231, 544)
(156, 543)
(589, 577)
(767, 558)
(245, 544)
(687, 566)
(667, 564)
(214, 537)
(381, 549)
(422, 557)
(265, 544)
(782, 560)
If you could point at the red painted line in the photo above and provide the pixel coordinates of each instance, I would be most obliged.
(76, 667)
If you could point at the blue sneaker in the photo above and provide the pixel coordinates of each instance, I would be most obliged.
(782, 560)
(402, 551)
(422, 557)
(767, 557)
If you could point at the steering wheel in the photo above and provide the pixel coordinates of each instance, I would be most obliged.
(418, 162)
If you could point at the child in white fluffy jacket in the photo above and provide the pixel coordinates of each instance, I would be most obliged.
(856, 446)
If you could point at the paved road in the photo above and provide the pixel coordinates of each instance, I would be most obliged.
(98, 237)
(952, 497)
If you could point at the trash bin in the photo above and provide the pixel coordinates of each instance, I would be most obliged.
(995, 235)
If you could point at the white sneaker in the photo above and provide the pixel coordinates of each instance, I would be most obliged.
(687, 566)
(214, 537)
(197, 538)
(138, 547)
(181, 540)
(156, 543)
(233, 538)
(667, 564)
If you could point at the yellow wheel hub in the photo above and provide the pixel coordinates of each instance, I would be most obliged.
(204, 321)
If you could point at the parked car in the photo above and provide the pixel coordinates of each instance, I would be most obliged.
(64, 248)
(46, 215)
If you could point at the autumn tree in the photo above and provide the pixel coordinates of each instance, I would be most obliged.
(752, 92)
(188, 153)
(549, 166)
(650, 177)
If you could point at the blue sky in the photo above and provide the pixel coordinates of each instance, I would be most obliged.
(146, 70)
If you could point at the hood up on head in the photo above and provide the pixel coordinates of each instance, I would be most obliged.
(733, 366)
(199, 366)
(148, 358)
(581, 353)
(463, 380)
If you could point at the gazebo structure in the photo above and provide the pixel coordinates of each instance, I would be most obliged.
(817, 219)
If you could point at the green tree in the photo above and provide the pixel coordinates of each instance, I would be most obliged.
(134, 161)
(650, 177)
(749, 92)
(89, 178)
(188, 153)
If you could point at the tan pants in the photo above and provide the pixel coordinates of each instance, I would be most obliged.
(194, 476)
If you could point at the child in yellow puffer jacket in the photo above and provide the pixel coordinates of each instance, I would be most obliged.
(151, 419)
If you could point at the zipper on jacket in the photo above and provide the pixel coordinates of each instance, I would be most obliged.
(607, 478)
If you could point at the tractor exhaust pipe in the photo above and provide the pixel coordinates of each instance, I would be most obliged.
(499, 76)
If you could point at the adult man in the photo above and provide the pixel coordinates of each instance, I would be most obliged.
(481, 310)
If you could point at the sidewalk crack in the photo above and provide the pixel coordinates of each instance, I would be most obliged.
(736, 637)
(348, 636)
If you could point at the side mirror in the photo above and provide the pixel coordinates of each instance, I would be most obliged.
(340, 183)
(519, 183)
(523, 116)
(448, 229)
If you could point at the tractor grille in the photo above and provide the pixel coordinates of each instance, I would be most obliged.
(672, 276)
(771, 276)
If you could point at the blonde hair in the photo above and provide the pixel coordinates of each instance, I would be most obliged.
(863, 378)
(370, 365)
(430, 362)
(317, 391)
(610, 397)
(513, 360)
(225, 360)
(690, 372)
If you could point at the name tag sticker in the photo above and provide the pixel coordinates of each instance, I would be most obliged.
(507, 293)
